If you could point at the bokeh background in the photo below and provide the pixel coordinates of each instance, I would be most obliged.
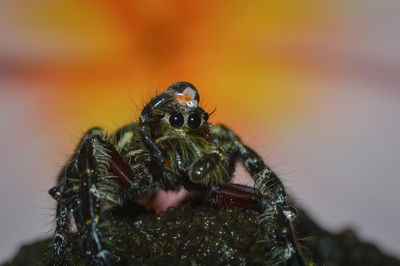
(313, 86)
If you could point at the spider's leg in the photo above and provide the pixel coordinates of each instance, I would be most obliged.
(62, 222)
(67, 200)
(88, 216)
(276, 215)
(65, 194)
(68, 193)
(233, 195)
(267, 181)
(105, 176)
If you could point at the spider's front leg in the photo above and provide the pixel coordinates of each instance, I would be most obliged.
(65, 192)
(88, 216)
(91, 177)
(276, 214)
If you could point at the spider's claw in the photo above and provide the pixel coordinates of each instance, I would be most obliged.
(105, 257)
(55, 193)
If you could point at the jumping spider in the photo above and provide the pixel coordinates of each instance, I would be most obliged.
(172, 146)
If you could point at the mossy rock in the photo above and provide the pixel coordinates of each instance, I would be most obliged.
(202, 235)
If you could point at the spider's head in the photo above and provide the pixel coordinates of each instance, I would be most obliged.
(180, 128)
(176, 114)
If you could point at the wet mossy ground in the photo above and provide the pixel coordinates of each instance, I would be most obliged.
(201, 235)
(182, 236)
(190, 236)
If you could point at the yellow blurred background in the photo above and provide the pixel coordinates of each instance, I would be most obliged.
(311, 85)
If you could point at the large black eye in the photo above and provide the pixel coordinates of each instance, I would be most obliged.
(194, 120)
(176, 119)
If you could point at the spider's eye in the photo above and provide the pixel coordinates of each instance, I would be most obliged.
(194, 120)
(176, 119)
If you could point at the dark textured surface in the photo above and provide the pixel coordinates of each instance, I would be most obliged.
(30, 254)
(205, 235)
(343, 248)
(183, 235)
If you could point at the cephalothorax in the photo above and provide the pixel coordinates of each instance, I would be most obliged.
(173, 145)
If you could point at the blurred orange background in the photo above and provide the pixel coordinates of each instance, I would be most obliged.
(311, 85)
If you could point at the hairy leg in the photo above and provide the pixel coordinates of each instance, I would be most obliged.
(67, 199)
(90, 178)
(276, 214)
(88, 216)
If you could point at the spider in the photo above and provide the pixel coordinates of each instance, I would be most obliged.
(172, 146)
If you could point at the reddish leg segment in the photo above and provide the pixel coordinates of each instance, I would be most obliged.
(118, 167)
(233, 195)
(238, 196)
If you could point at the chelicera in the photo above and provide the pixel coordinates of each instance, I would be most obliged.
(172, 146)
